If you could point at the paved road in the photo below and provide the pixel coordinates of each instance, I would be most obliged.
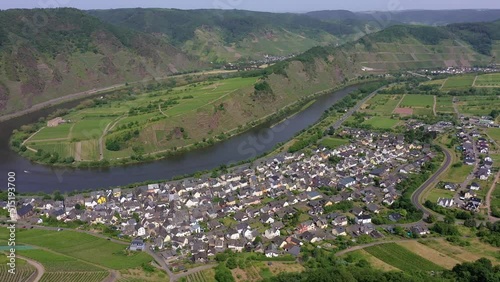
(40, 270)
(349, 113)
(415, 197)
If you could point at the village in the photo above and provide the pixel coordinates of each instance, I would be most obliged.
(273, 207)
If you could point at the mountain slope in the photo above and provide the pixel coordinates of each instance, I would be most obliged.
(396, 48)
(45, 54)
(427, 17)
(229, 35)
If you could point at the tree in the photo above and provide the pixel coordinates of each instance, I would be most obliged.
(470, 222)
(231, 263)
(58, 196)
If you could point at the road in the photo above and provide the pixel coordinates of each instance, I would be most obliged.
(349, 113)
(415, 197)
(40, 270)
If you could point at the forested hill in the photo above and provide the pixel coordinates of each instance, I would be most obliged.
(427, 17)
(230, 35)
(397, 48)
(45, 54)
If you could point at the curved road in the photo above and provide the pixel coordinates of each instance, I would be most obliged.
(40, 270)
(415, 197)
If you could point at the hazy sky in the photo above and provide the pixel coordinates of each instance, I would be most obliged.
(260, 5)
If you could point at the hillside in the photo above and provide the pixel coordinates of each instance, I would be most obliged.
(222, 36)
(403, 47)
(70, 51)
(427, 17)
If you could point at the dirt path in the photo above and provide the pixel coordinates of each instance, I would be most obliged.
(40, 270)
(442, 85)
(78, 151)
(161, 111)
(112, 277)
(488, 198)
(399, 103)
(474, 83)
(434, 106)
(105, 131)
(31, 136)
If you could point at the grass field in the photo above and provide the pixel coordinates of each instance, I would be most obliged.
(332, 143)
(374, 262)
(457, 82)
(261, 270)
(418, 101)
(444, 104)
(381, 122)
(382, 104)
(402, 258)
(61, 131)
(438, 82)
(437, 193)
(81, 246)
(488, 80)
(478, 105)
(53, 262)
(494, 133)
(471, 253)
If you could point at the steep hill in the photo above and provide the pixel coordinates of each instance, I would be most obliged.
(45, 54)
(229, 35)
(427, 17)
(402, 47)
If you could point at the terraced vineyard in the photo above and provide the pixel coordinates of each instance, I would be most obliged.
(202, 276)
(402, 258)
(74, 276)
(22, 273)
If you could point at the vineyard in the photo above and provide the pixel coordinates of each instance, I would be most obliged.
(53, 262)
(22, 273)
(401, 258)
(202, 276)
(74, 276)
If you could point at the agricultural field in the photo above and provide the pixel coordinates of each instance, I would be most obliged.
(54, 262)
(444, 104)
(262, 270)
(488, 80)
(458, 82)
(438, 82)
(74, 276)
(402, 258)
(417, 101)
(139, 275)
(332, 143)
(23, 270)
(382, 122)
(382, 104)
(202, 276)
(430, 254)
(80, 246)
(374, 262)
(478, 105)
(494, 133)
(470, 253)
(152, 121)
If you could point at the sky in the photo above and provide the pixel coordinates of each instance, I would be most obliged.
(259, 5)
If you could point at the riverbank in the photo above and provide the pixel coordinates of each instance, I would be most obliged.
(46, 158)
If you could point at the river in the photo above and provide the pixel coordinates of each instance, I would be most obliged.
(238, 148)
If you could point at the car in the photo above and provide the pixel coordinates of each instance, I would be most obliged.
(109, 239)
(185, 270)
(59, 229)
(31, 227)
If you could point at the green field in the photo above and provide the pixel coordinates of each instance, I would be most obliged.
(59, 132)
(81, 246)
(382, 122)
(457, 82)
(382, 104)
(488, 80)
(438, 82)
(202, 276)
(332, 143)
(444, 104)
(417, 101)
(494, 133)
(478, 105)
(53, 262)
(401, 258)
(151, 120)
